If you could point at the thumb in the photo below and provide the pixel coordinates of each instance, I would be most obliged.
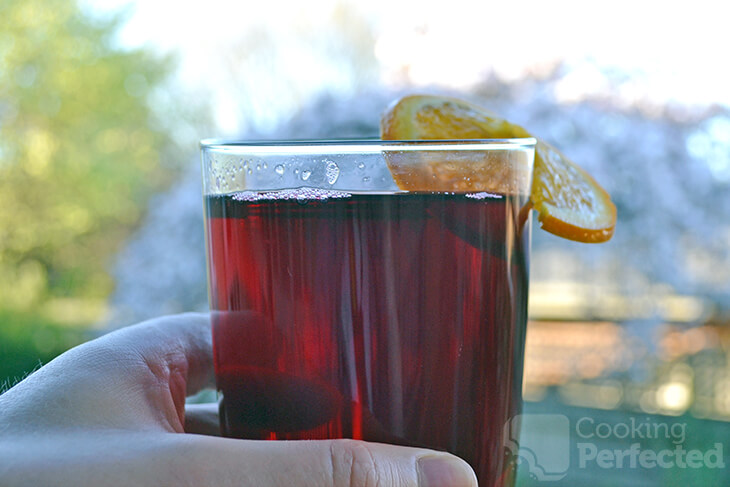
(322, 463)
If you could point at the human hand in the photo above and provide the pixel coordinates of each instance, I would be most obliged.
(111, 412)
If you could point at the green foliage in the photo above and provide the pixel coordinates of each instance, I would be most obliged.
(81, 149)
(79, 152)
(28, 341)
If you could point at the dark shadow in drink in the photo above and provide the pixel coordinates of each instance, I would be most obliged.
(261, 402)
(300, 417)
(264, 400)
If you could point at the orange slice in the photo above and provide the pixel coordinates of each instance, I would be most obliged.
(569, 202)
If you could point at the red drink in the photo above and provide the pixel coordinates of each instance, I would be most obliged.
(394, 317)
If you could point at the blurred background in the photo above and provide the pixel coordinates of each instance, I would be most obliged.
(102, 105)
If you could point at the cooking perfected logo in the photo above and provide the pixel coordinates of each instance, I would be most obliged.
(549, 441)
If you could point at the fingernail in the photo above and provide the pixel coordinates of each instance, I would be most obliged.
(445, 471)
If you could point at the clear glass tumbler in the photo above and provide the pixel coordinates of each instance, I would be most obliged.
(345, 307)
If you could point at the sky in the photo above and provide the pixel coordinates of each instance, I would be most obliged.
(669, 54)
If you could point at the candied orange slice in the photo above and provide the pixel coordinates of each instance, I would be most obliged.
(569, 202)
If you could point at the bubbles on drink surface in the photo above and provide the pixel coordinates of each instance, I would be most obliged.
(298, 194)
(482, 195)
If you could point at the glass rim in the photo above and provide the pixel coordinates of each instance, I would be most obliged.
(333, 146)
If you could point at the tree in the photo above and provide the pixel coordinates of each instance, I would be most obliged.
(81, 149)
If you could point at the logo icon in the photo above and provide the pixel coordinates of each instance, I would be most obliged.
(544, 447)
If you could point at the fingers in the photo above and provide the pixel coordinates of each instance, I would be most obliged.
(328, 463)
(181, 342)
(137, 376)
(120, 457)
(174, 361)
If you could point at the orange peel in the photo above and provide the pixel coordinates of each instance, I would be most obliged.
(568, 201)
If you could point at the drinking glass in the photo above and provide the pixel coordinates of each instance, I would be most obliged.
(346, 307)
